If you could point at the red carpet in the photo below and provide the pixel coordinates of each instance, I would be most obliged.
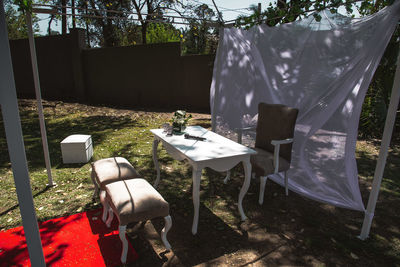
(77, 240)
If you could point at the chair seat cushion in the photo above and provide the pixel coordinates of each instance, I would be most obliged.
(135, 200)
(263, 163)
(111, 170)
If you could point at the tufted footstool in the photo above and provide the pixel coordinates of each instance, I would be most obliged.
(105, 171)
(130, 198)
(135, 200)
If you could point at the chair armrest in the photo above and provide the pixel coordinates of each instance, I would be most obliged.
(240, 131)
(277, 144)
(281, 142)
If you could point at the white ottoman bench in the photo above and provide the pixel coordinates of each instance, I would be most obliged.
(132, 199)
(135, 200)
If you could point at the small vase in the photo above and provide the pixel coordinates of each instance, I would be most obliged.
(178, 128)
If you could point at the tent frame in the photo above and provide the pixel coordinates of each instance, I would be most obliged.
(16, 148)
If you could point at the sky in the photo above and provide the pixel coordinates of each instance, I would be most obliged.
(230, 10)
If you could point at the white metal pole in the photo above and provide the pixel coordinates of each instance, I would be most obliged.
(39, 98)
(217, 81)
(16, 149)
(380, 166)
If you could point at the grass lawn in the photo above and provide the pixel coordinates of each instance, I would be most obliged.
(283, 231)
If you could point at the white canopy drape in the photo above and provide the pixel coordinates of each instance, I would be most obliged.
(324, 69)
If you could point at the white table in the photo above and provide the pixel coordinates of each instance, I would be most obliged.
(216, 152)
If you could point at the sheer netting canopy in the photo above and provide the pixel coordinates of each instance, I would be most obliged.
(323, 69)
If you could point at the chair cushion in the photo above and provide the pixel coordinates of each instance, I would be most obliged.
(135, 200)
(263, 163)
(111, 170)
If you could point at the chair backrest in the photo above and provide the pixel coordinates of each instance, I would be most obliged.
(275, 122)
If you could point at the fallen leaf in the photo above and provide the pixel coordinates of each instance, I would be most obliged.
(287, 237)
(354, 256)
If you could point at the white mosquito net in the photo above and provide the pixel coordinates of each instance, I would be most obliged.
(323, 69)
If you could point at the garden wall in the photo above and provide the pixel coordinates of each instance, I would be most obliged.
(140, 76)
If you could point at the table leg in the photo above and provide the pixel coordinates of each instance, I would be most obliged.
(196, 198)
(155, 160)
(245, 187)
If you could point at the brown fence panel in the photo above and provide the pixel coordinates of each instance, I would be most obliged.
(141, 76)
(54, 63)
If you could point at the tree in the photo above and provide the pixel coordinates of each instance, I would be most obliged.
(109, 23)
(149, 11)
(283, 11)
(199, 38)
(162, 33)
(16, 22)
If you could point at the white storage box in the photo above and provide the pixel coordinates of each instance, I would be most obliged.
(77, 148)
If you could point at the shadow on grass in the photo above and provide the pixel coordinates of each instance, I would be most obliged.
(295, 228)
(16, 206)
(97, 126)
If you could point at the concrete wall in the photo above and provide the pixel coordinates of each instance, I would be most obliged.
(141, 76)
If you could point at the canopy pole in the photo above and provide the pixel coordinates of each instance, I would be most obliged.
(16, 149)
(216, 84)
(39, 98)
(383, 153)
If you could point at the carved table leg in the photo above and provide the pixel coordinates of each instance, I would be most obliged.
(245, 187)
(196, 198)
(228, 177)
(155, 160)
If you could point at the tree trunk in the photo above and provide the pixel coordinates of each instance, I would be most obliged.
(87, 27)
(49, 28)
(63, 17)
(73, 14)
(144, 33)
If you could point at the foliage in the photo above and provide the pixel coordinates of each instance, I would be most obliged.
(24, 5)
(376, 103)
(152, 11)
(283, 11)
(16, 22)
(179, 118)
(198, 38)
(162, 33)
(108, 28)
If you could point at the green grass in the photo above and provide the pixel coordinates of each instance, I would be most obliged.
(324, 234)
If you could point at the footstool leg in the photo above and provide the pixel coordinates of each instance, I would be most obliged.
(96, 187)
(105, 205)
(164, 231)
(122, 236)
(110, 217)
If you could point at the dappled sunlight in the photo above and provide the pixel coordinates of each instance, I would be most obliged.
(285, 230)
(323, 68)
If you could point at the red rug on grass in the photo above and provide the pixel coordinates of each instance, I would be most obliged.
(78, 240)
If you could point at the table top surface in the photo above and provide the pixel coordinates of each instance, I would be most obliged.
(214, 147)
